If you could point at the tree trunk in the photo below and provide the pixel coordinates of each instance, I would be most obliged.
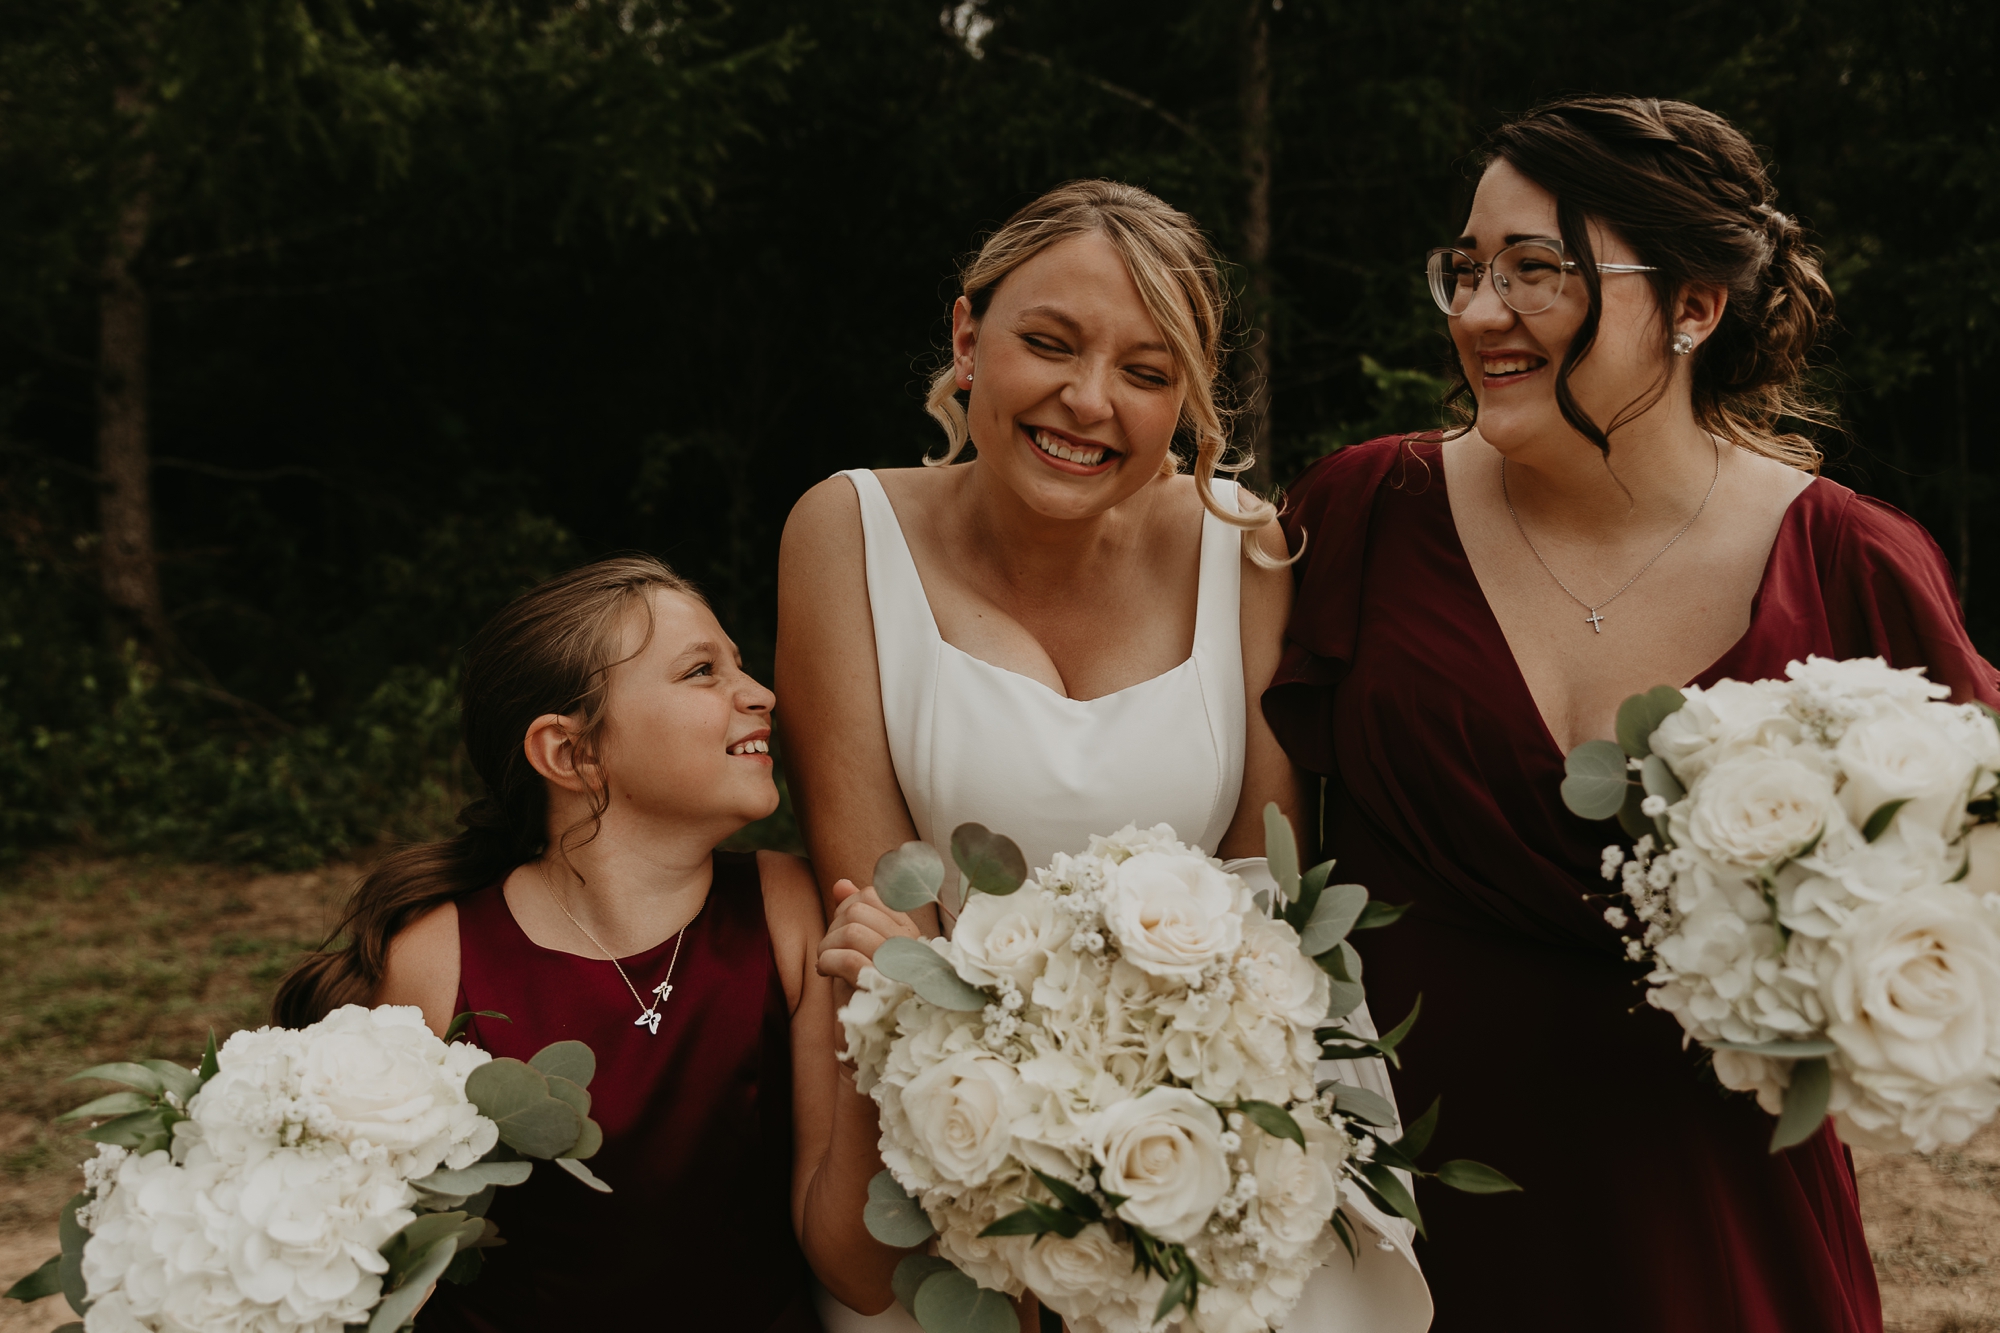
(124, 461)
(1254, 426)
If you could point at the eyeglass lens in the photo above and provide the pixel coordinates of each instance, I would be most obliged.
(1527, 276)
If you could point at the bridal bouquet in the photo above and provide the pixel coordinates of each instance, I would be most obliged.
(308, 1180)
(1101, 1088)
(1816, 883)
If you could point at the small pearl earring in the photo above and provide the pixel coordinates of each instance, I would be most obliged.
(1683, 344)
(968, 379)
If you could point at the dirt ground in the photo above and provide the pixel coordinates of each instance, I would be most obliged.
(120, 959)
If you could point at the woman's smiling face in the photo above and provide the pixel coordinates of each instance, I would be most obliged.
(1075, 396)
(1511, 360)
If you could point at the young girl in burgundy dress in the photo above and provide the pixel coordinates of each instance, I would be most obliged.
(619, 742)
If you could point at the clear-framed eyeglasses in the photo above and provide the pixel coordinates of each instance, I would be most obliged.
(1528, 276)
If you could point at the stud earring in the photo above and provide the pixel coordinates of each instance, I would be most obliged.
(968, 379)
(1683, 344)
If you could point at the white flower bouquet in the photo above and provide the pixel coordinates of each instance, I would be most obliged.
(306, 1181)
(1101, 1088)
(1816, 884)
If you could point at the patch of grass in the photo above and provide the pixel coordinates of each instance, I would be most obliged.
(1928, 1262)
(1970, 1173)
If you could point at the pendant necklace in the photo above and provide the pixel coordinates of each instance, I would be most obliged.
(649, 1014)
(1594, 620)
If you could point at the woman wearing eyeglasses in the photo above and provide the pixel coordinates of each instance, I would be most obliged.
(1632, 317)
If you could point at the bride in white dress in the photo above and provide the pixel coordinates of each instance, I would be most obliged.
(1062, 636)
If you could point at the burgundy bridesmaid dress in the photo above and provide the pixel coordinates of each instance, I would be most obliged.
(1650, 1200)
(697, 1232)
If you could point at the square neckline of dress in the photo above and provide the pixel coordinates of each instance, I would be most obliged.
(1793, 509)
(930, 618)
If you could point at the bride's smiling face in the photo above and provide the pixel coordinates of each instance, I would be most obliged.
(1075, 395)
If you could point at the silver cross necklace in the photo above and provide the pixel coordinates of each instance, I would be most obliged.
(649, 1014)
(1594, 620)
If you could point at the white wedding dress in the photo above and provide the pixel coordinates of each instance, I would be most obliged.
(975, 742)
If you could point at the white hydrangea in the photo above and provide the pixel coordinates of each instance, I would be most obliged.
(1130, 986)
(1770, 914)
(269, 1212)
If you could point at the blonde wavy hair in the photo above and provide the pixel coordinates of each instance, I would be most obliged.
(1175, 271)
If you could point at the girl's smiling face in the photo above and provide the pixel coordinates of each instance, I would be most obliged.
(1076, 396)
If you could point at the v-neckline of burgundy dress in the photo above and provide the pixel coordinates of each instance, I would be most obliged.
(1651, 1204)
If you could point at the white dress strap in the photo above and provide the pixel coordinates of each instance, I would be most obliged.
(1218, 653)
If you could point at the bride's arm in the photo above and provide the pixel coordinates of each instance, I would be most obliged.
(829, 715)
(1268, 775)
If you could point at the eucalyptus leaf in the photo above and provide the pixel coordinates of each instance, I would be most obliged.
(1641, 715)
(546, 1129)
(912, 1273)
(1338, 908)
(501, 1087)
(951, 1302)
(1274, 1120)
(1363, 1104)
(1658, 779)
(1311, 884)
(1392, 1190)
(588, 1141)
(1281, 851)
(1379, 914)
(400, 1306)
(570, 1094)
(910, 876)
(567, 1059)
(460, 1022)
(1417, 1134)
(1341, 962)
(991, 862)
(1885, 815)
(1805, 1104)
(583, 1173)
(404, 1250)
(71, 1235)
(464, 1267)
(1782, 1050)
(468, 1181)
(1343, 998)
(110, 1104)
(136, 1075)
(1475, 1178)
(1632, 816)
(44, 1281)
(1596, 780)
(919, 967)
(892, 1216)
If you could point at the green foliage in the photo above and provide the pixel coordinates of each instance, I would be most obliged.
(919, 967)
(893, 1216)
(909, 876)
(1595, 782)
(991, 862)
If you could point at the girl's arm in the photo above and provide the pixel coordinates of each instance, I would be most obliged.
(834, 1130)
(423, 967)
(836, 746)
(1268, 774)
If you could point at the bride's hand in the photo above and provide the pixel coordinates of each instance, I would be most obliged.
(861, 921)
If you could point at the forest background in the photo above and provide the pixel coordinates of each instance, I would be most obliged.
(328, 325)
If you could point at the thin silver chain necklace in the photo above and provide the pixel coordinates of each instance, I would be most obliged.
(1596, 621)
(649, 1014)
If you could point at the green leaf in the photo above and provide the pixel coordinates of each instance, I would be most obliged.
(460, 1022)
(1378, 914)
(400, 1306)
(991, 862)
(570, 1094)
(128, 1131)
(1343, 998)
(912, 1273)
(1632, 816)
(1641, 715)
(587, 1142)
(1341, 962)
(951, 1302)
(1274, 1120)
(464, 1267)
(1805, 1104)
(1036, 1219)
(1596, 783)
(892, 1216)
(468, 1181)
(183, 1083)
(567, 1059)
(1783, 1050)
(110, 1104)
(136, 1075)
(546, 1129)
(910, 876)
(1281, 851)
(1338, 908)
(404, 1251)
(1393, 1038)
(1311, 884)
(1178, 1292)
(1362, 1104)
(1391, 1191)
(1885, 814)
(71, 1235)
(44, 1281)
(1346, 1234)
(1070, 1197)
(1475, 1178)
(919, 967)
(501, 1087)
(1390, 1154)
(1659, 780)
(210, 1065)
(583, 1173)
(1417, 1134)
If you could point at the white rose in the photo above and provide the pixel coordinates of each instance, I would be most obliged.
(1163, 1152)
(1912, 988)
(959, 1111)
(1295, 1191)
(1864, 678)
(1172, 915)
(1905, 757)
(1894, 1113)
(1010, 936)
(1075, 1277)
(1982, 852)
(384, 1078)
(1275, 977)
(1751, 810)
(1715, 721)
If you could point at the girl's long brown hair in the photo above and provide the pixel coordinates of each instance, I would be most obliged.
(548, 651)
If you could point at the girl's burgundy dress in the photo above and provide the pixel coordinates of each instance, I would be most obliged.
(697, 1232)
(1650, 1200)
